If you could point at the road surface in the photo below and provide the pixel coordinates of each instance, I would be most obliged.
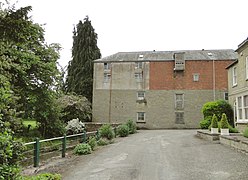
(161, 155)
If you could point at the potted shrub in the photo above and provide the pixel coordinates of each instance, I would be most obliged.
(214, 125)
(224, 130)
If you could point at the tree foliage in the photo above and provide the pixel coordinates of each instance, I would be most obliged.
(28, 71)
(80, 69)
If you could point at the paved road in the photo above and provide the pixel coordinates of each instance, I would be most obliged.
(161, 155)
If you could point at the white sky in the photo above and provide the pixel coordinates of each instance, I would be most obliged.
(144, 25)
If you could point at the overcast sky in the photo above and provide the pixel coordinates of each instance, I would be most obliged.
(144, 25)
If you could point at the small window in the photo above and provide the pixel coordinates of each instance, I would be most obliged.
(240, 108)
(107, 66)
(195, 77)
(141, 95)
(234, 76)
(107, 77)
(179, 117)
(141, 116)
(226, 96)
(246, 106)
(246, 67)
(138, 76)
(138, 65)
(179, 101)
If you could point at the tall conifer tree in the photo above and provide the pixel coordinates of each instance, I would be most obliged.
(80, 69)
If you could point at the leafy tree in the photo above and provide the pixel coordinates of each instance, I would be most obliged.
(28, 69)
(80, 69)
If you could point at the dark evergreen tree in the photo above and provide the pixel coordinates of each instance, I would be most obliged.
(80, 69)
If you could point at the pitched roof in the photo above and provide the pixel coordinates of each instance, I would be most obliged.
(223, 54)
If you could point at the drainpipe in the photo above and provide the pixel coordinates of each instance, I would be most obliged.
(214, 80)
(110, 93)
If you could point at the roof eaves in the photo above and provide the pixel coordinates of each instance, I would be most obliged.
(232, 64)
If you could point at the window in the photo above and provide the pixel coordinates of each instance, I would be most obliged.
(246, 106)
(246, 67)
(141, 116)
(141, 95)
(179, 101)
(234, 76)
(107, 77)
(226, 96)
(138, 76)
(235, 111)
(107, 66)
(138, 65)
(195, 77)
(179, 117)
(240, 108)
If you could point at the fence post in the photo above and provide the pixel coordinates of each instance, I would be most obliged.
(63, 146)
(84, 137)
(36, 152)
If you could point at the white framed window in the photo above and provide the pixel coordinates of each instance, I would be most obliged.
(138, 76)
(107, 66)
(226, 96)
(179, 117)
(138, 65)
(245, 101)
(246, 67)
(234, 76)
(242, 108)
(239, 111)
(141, 116)
(141, 95)
(179, 101)
(106, 77)
(196, 77)
(235, 111)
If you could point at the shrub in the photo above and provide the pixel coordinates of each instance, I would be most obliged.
(232, 129)
(106, 131)
(82, 149)
(218, 108)
(45, 176)
(245, 133)
(92, 142)
(205, 123)
(223, 122)
(214, 123)
(123, 130)
(74, 126)
(102, 142)
(131, 126)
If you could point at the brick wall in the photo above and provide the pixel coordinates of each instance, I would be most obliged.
(163, 76)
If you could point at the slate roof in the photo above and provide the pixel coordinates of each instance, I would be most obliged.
(223, 54)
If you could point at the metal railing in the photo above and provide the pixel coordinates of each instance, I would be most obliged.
(61, 145)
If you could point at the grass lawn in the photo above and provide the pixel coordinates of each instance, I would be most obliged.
(32, 123)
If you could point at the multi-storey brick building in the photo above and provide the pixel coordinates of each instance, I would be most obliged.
(238, 86)
(164, 89)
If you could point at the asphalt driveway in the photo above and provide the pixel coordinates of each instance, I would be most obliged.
(161, 155)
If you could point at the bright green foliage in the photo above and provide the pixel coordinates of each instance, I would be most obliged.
(45, 176)
(102, 142)
(92, 142)
(214, 123)
(232, 129)
(106, 131)
(206, 123)
(82, 149)
(245, 133)
(223, 122)
(11, 152)
(80, 69)
(73, 107)
(123, 130)
(218, 108)
(131, 126)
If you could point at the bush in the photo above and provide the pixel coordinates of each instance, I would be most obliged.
(223, 122)
(232, 129)
(102, 142)
(218, 108)
(205, 123)
(45, 176)
(74, 126)
(106, 131)
(82, 149)
(92, 142)
(245, 133)
(214, 123)
(123, 130)
(131, 126)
